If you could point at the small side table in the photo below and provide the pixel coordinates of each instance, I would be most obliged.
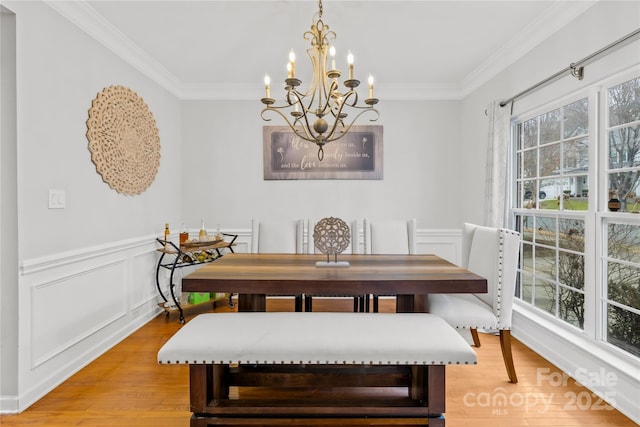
(174, 257)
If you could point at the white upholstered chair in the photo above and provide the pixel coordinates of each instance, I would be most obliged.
(389, 237)
(493, 254)
(279, 236)
(354, 248)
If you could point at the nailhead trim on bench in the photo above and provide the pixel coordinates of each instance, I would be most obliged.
(311, 362)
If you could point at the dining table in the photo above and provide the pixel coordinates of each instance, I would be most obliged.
(410, 278)
(331, 391)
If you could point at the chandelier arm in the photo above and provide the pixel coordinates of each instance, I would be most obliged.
(341, 105)
(305, 125)
(305, 136)
(333, 93)
(330, 137)
(350, 94)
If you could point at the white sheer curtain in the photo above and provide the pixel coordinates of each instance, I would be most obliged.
(496, 187)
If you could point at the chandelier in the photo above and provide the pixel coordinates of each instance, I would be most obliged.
(319, 114)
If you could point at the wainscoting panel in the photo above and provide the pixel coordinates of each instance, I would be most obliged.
(65, 311)
(143, 273)
(446, 244)
(74, 306)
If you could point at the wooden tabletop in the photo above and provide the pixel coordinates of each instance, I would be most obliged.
(288, 274)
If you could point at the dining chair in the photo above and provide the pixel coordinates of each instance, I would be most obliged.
(493, 254)
(279, 236)
(354, 247)
(388, 237)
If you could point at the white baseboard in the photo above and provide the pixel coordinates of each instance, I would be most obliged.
(611, 375)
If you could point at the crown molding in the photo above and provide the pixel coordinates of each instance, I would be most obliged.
(81, 14)
(544, 26)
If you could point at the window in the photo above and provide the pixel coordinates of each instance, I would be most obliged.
(621, 257)
(553, 158)
(554, 208)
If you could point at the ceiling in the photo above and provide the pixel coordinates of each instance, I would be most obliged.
(414, 49)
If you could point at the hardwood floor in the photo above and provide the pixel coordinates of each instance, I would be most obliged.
(126, 387)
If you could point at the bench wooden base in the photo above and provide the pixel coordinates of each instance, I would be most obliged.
(334, 395)
(197, 421)
(276, 368)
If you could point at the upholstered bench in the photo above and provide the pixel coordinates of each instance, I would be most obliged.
(344, 366)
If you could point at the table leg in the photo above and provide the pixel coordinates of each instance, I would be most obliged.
(412, 304)
(252, 302)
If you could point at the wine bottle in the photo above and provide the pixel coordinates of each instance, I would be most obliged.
(202, 235)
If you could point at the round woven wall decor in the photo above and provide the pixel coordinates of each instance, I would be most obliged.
(123, 140)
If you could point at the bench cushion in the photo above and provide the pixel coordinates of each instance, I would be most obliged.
(317, 338)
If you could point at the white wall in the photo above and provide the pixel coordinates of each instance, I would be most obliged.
(86, 272)
(8, 205)
(599, 26)
(60, 71)
(222, 164)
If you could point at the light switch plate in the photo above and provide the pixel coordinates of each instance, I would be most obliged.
(57, 199)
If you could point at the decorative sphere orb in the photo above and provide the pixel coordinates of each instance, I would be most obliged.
(320, 125)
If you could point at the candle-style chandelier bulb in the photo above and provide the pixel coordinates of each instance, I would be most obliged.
(318, 115)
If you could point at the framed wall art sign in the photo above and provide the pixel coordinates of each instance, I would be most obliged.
(357, 155)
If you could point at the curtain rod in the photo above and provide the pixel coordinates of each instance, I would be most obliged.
(577, 68)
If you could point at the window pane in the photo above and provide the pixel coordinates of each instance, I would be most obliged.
(527, 287)
(623, 284)
(579, 185)
(550, 126)
(545, 296)
(550, 160)
(530, 188)
(623, 329)
(527, 257)
(625, 187)
(624, 102)
(545, 231)
(527, 228)
(624, 242)
(545, 262)
(576, 118)
(571, 234)
(576, 198)
(575, 156)
(624, 147)
(529, 164)
(571, 307)
(550, 189)
(529, 133)
(571, 269)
